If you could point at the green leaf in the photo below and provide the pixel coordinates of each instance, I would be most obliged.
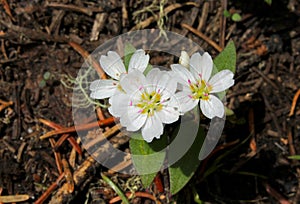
(297, 157)
(268, 2)
(183, 170)
(227, 58)
(226, 13)
(128, 52)
(228, 111)
(42, 83)
(147, 158)
(116, 188)
(236, 17)
(47, 75)
(148, 68)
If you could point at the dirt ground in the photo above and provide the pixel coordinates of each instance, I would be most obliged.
(41, 42)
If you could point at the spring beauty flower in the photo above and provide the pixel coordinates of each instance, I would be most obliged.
(198, 85)
(148, 102)
(114, 67)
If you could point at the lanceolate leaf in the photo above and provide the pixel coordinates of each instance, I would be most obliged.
(297, 157)
(227, 58)
(148, 158)
(183, 170)
(128, 52)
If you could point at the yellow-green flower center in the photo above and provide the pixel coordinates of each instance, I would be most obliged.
(119, 87)
(200, 90)
(149, 103)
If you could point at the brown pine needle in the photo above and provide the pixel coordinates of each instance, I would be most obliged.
(107, 121)
(4, 104)
(50, 124)
(89, 58)
(7, 9)
(74, 144)
(57, 156)
(201, 35)
(49, 190)
(136, 194)
(71, 140)
(296, 96)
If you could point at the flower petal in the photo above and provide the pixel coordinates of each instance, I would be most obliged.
(201, 65)
(184, 76)
(162, 82)
(139, 60)
(221, 81)
(168, 83)
(132, 119)
(153, 76)
(133, 81)
(168, 115)
(186, 102)
(184, 59)
(153, 128)
(103, 88)
(119, 103)
(112, 65)
(212, 107)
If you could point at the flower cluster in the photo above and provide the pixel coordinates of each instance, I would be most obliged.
(148, 102)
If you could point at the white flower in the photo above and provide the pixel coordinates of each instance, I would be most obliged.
(148, 102)
(113, 66)
(198, 85)
(184, 59)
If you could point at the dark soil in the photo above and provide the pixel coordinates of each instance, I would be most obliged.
(250, 163)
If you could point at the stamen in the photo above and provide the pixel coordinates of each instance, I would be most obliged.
(189, 81)
(149, 102)
(141, 87)
(130, 103)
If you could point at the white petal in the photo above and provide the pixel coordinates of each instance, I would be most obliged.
(173, 76)
(138, 61)
(221, 81)
(103, 88)
(183, 74)
(133, 81)
(134, 120)
(184, 59)
(153, 76)
(169, 83)
(153, 128)
(186, 103)
(212, 107)
(162, 82)
(168, 115)
(112, 65)
(119, 104)
(201, 65)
